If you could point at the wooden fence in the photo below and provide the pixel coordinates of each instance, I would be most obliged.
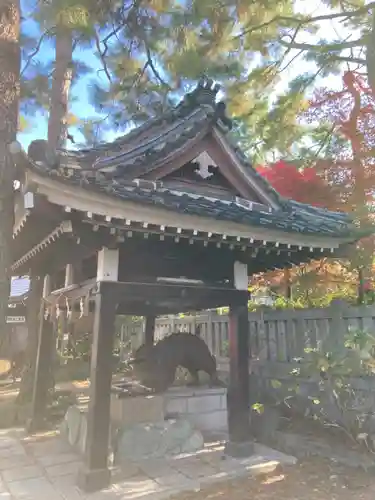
(275, 335)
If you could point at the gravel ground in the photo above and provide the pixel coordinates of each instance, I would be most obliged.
(314, 479)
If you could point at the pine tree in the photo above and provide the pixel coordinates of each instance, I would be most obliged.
(67, 23)
(274, 124)
(9, 95)
(165, 47)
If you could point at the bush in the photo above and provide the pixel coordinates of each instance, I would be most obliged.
(331, 369)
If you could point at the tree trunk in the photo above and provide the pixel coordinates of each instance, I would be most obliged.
(9, 97)
(370, 53)
(57, 132)
(59, 102)
(33, 311)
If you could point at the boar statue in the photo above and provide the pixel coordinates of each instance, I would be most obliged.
(155, 365)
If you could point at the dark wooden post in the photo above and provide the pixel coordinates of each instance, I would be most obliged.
(150, 330)
(95, 474)
(238, 399)
(42, 375)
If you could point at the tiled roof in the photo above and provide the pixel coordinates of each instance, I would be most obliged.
(147, 147)
(111, 169)
(19, 286)
(296, 217)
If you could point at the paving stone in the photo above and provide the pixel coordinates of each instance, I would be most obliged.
(13, 450)
(63, 469)
(27, 472)
(8, 442)
(14, 432)
(2, 486)
(34, 489)
(194, 467)
(107, 494)
(66, 487)
(13, 461)
(272, 454)
(51, 446)
(160, 495)
(127, 469)
(177, 481)
(56, 459)
(137, 486)
(155, 467)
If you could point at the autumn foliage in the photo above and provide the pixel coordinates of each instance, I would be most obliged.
(343, 173)
(349, 159)
(305, 186)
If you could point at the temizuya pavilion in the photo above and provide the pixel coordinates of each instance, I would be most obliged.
(107, 228)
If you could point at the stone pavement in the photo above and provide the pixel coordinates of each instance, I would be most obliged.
(44, 468)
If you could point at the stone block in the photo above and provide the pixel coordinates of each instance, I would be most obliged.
(210, 421)
(204, 403)
(223, 402)
(81, 443)
(157, 440)
(176, 405)
(139, 409)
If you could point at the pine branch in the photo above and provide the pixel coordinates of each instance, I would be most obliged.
(107, 38)
(36, 50)
(355, 60)
(308, 20)
(102, 57)
(154, 70)
(337, 46)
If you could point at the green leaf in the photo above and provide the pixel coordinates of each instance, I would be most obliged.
(258, 407)
(276, 384)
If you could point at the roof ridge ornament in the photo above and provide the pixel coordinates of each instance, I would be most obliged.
(205, 94)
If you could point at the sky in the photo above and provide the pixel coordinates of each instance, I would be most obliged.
(80, 92)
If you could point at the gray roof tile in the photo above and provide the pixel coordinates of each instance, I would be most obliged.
(111, 168)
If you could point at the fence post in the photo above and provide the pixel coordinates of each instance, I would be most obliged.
(209, 331)
(337, 330)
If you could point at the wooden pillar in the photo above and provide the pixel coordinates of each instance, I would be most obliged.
(43, 366)
(150, 330)
(238, 398)
(95, 473)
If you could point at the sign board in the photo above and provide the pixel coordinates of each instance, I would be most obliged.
(16, 319)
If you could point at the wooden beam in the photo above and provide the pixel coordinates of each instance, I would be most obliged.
(108, 265)
(143, 299)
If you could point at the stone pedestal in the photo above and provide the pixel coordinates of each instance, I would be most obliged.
(141, 409)
(204, 407)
